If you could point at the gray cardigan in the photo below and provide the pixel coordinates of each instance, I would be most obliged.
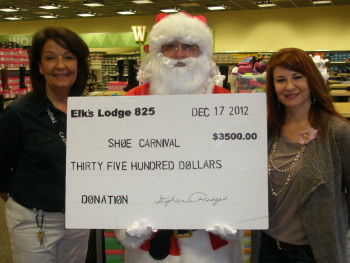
(323, 196)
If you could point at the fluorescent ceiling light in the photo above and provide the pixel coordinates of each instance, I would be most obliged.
(321, 2)
(14, 17)
(94, 3)
(266, 4)
(50, 6)
(142, 2)
(169, 10)
(126, 12)
(86, 14)
(48, 16)
(9, 9)
(216, 7)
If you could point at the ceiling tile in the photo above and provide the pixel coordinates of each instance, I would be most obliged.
(29, 10)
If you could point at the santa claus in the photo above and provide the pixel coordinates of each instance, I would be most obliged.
(179, 62)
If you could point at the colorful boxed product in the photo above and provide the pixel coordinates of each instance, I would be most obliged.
(251, 83)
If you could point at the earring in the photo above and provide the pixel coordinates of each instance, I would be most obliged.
(312, 99)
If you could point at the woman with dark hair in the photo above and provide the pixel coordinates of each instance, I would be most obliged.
(33, 152)
(309, 166)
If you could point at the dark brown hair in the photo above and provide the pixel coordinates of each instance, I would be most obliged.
(68, 40)
(299, 61)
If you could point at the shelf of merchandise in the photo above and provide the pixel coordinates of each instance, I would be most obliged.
(338, 58)
(339, 63)
(105, 66)
(233, 58)
(110, 70)
(14, 87)
(13, 58)
(95, 62)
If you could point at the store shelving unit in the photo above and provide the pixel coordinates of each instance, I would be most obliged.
(14, 74)
(339, 60)
(106, 69)
(110, 70)
(339, 63)
(233, 58)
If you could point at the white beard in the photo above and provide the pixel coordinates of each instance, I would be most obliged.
(196, 77)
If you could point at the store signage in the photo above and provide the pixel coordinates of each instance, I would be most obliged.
(180, 162)
(25, 40)
(105, 40)
(139, 33)
(93, 40)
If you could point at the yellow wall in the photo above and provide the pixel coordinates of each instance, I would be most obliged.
(305, 28)
(316, 28)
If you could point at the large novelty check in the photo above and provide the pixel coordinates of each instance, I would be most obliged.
(180, 162)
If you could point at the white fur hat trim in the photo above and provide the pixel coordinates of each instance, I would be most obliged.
(182, 27)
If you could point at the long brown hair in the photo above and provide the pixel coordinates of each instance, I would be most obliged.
(321, 100)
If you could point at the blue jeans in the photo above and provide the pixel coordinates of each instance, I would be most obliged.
(269, 253)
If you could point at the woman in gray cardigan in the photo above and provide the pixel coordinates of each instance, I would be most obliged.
(309, 167)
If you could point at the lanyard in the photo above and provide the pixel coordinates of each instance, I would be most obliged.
(55, 123)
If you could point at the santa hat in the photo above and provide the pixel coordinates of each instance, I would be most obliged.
(184, 28)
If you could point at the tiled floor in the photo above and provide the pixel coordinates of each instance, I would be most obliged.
(5, 249)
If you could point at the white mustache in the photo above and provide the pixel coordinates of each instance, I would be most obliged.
(188, 63)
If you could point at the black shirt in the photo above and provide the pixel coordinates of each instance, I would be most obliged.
(32, 154)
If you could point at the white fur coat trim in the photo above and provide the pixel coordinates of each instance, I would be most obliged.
(196, 249)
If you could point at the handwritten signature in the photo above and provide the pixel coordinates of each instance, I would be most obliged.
(197, 197)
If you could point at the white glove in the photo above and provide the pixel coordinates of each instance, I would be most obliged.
(223, 231)
(140, 229)
(136, 235)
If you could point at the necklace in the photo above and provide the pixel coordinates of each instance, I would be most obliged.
(290, 170)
